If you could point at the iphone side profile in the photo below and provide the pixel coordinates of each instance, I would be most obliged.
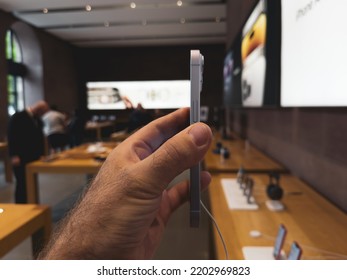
(196, 72)
(281, 235)
(295, 252)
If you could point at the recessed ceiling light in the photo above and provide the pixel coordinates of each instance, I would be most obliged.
(182, 20)
(45, 10)
(132, 5)
(179, 3)
(88, 8)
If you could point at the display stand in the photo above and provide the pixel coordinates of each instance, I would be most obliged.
(235, 197)
(260, 253)
(274, 205)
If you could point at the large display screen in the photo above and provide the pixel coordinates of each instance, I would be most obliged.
(228, 69)
(232, 76)
(252, 65)
(253, 57)
(150, 94)
(314, 55)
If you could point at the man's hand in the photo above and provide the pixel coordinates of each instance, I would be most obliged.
(124, 212)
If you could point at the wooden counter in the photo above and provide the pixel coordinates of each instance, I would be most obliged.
(19, 221)
(241, 154)
(98, 127)
(317, 225)
(77, 160)
(7, 163)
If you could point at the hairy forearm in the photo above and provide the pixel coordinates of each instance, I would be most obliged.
(102, 226)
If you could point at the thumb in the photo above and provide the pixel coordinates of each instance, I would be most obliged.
(177, 154)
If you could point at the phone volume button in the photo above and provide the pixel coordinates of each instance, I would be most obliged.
(196, 117)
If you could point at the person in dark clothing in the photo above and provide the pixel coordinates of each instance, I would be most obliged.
(138, 118)
(26, 143)
(76, 127)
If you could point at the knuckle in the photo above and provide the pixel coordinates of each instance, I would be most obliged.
(170, 155)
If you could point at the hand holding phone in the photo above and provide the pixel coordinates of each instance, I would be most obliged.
(196, 79)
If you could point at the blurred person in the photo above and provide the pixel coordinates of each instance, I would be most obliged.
(76, 127)
(26, 143)
(55, 125)
(138, 118)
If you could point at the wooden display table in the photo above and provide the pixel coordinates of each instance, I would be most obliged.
(7, 163)
(317, 225)
(98, 127)
(19, 221)
(241, 154)
(119, 136)
(81, 159)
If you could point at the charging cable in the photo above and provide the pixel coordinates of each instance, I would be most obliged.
(218, 230)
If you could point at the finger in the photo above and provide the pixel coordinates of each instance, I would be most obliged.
(177, 154)
(145, 141)
(178, 195)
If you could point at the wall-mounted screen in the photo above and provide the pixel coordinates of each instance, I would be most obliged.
(314, 55)
(232, 76)
(253, 56)
(228, 76)
(256, 59)
(150, 94)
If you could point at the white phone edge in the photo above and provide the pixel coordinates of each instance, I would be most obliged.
(196, 64)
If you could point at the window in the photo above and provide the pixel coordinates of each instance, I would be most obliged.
(16, 73)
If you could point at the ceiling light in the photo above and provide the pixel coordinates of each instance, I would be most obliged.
(179, 3)
(88, 8)
(183, 20)
(132, 5)
(45, 10)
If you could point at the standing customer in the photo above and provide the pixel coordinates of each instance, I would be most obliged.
(76, 127)
(26, 143)
(55, 129)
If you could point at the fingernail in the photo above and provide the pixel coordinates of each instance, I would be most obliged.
(200, 134)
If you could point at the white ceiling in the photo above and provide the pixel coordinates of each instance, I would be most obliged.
(115, 23)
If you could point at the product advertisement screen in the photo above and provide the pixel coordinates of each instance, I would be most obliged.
(150, 94)
(254, 57)
(314, 53)
(228, 77)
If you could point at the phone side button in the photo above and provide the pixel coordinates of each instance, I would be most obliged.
(196, 110)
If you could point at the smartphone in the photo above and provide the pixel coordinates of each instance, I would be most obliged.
(281, 235)
(295, 252)
(196, 79)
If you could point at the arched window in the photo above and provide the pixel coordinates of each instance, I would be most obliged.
(16, 73)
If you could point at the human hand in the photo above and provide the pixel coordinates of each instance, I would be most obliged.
(124, 212)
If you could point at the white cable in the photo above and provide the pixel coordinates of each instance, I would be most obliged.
(324, 251)
(218, 230)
